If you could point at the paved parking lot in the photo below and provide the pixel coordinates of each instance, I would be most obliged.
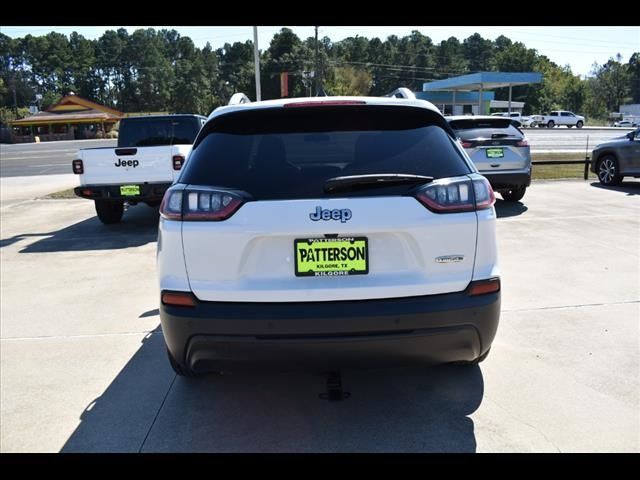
(83, 366)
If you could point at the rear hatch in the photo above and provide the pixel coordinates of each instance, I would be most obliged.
(493, 144)
(278, 160)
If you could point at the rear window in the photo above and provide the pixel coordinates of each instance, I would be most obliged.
(152, 132)
(288, 153)
(470, 129)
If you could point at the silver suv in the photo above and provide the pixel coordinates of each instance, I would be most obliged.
(499, 150)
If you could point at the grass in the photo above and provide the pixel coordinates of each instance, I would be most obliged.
(549, 172)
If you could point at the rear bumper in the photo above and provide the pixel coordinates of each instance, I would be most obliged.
(148, 192)
(498, 181)
(321, 336)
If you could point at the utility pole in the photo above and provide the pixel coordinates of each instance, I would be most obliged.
(256, 61)
(15, 101)
(316, 68)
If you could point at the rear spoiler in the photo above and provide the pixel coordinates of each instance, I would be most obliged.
(402, 92)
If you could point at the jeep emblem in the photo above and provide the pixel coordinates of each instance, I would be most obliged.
(343, 214)
(127, 163)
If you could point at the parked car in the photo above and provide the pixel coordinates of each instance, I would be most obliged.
(499, 150)
(523, 120)
(150, 153)
(615, 159)
(558, 118)
(324, 233)
(625, 123)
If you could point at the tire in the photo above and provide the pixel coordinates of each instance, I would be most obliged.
(551, 124)
(579, 124)
(109, 212)
(514, 195)
(179, 369)
(608, 171)
(569, 126)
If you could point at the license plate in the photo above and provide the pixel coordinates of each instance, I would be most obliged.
(494, 152)
(129, 190)
(329, 257)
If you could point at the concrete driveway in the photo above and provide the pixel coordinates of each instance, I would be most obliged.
(83, 365)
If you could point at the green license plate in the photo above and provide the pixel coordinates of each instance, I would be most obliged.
(494, 152)
(329, 257)
(129, 190)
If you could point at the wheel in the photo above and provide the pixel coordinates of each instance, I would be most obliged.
(551, 124)
(180, 370)
(109, 212)
(608, 171)
(569, 126)
(579, 124)
(533, 125)
(514, 195)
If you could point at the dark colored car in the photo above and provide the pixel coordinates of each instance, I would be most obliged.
(614, 160)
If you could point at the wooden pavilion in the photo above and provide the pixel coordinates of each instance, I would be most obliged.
(71, 118)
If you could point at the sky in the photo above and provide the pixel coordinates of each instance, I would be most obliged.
(578, 47)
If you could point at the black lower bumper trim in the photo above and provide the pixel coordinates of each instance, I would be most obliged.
(148, 192)
(228, 336)
(500, 181)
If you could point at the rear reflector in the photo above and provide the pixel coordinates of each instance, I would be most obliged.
(523, 143)
(78, 167)
(179, 299)
(324, 103)
(482, 287)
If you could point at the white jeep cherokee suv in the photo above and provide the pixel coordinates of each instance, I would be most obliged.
(327, 233)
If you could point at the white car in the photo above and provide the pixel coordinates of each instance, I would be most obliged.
(324, 233)
(524, 120)
(625, 123)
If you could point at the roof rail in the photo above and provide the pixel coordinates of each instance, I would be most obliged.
(402, 92)
(238, 98)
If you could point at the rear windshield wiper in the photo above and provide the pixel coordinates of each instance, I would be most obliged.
(374, 180)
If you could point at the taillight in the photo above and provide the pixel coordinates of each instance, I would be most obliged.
(78, 167)
(462, 194)
(178, 161)
(523, 143)
(199, 203)
(466, 144)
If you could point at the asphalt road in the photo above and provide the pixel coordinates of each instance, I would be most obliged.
(562, 139)
(46, 158)
(83, 365)
(54, 158)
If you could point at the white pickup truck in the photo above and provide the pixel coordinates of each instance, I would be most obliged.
(558, 118)
(151, 151)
